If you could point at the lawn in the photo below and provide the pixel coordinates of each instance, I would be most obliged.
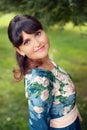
(68, 49)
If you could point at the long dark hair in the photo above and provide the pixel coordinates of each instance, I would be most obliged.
(29, 25)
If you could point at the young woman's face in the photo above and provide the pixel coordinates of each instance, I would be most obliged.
(35, 46)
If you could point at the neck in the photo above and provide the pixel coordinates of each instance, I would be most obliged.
(46, 64)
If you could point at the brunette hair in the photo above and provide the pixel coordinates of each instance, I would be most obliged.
(30, 25)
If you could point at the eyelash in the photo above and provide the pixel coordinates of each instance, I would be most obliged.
(38, 33)
(26, 42)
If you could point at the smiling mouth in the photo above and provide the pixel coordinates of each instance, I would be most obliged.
(40, 49)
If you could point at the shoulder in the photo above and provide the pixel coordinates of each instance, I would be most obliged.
(58, 68)
(36, 80)
(61, 73)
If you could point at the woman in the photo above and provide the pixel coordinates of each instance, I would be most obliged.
(49, 89)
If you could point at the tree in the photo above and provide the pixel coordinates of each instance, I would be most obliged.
(49, 11)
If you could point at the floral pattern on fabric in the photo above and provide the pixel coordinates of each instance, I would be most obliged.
(51, 94)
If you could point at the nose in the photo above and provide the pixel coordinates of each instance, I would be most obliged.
(36, 43)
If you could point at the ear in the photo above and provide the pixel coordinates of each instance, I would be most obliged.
(19, 51)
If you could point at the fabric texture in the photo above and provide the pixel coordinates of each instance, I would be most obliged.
(51, 95)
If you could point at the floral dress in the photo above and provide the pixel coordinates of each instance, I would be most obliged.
(51, 95)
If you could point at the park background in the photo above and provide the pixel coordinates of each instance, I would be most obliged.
(65, 22)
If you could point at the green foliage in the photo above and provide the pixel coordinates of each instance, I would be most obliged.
(49, 11)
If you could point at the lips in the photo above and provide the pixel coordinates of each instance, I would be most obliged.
(40, 49)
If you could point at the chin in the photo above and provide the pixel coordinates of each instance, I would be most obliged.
(40, 56)
(43, 56)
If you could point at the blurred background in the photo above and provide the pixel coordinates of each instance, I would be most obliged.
(65, 22)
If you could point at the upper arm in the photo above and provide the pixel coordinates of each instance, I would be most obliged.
(38, 93)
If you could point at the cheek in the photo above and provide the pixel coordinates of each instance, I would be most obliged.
(46, 40)
(28, 52)
(48, 43)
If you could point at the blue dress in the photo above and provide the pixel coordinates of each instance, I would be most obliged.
(51, 95)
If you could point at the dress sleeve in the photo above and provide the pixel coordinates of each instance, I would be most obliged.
(38, 93)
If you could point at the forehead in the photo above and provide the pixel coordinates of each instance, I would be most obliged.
(26, 35)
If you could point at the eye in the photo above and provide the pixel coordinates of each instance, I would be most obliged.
(38, 33)
(27, 41)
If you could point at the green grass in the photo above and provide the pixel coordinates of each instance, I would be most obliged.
(68, 49)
